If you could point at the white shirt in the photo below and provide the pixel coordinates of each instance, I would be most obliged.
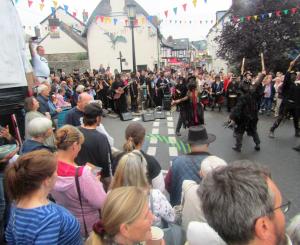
(13, 60)
(40, 66)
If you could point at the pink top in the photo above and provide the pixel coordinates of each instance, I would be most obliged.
(61, 102)
(92, 193)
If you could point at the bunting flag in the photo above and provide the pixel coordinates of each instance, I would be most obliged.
(184, 6)
(270, 15)
(126, 22)
(205, 1)
(255, 17)
(278, 13)
(30, 3)
(102, 18)
(42, 6)
(53, 10)
(115, 21)
(143, 21)
(195, 3)
(294, 10)
(55, 3)
(16, 1)
(66, 8)
(166, 13)
(286, 11)
(43, 1)
(74, 14)
(175, 10)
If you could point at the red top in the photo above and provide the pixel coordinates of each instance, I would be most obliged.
(66, 170)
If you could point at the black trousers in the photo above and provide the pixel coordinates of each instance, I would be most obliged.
(179, 123)
(251, 129)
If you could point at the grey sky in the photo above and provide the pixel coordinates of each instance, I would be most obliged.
(195, 31)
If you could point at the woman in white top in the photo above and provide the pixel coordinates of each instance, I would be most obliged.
(132, 171)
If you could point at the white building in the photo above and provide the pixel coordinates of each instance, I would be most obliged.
(216, 63)
(106, 39)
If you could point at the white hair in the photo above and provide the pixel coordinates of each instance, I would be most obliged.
(39, 126)
(293, 230)
(210, 163)
(80, 88)
(41, 88)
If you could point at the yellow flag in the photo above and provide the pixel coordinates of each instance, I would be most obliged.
(195, 3)
(42, 6)
(55, 3)
(255, 17)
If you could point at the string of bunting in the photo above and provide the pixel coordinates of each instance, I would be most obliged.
(183, 7)
(264, 16)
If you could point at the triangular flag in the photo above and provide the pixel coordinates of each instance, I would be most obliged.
(180, 22)
(294, 10)
(74, 14)
(126, 22)
(66, 7)
(55, 3)
(143, 20)
(262, 16)
(136, 22)
(286, 11)
(53, 10)
(195, 3)
(150, 18)
(248, 18)
(97, 18)
(42, 1)
(30, 3)
(190, 22)
(166, 13)
(170, 21)
(16, 1)
(175, 21)
(42, 6)
(278, 13)
(206, 21)
(200, 21)
(102, 18)
(205, 1)
(175, 10)
(184, 6)
(255, 17)
(270, 15)
(115, 21)
(242, 19)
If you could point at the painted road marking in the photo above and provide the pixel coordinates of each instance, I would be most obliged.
(171, 131)
(156, 124)
(155, 131)
(136, 119)
(170, 124)
(172, 140)
(151, 151)
(170, 118)
(153, 140)
(173, 152)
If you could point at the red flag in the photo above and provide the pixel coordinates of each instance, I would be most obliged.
(126, 22)
(294, 10)
(248, 18)
(42, 1)
(184, 6)
(30, 3)
(102, 18)
(166, 13)
(278, 13)
(74, 14)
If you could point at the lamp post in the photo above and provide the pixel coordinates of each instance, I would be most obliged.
(131, 8)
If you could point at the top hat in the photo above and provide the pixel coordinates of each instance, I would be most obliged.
(198, 135)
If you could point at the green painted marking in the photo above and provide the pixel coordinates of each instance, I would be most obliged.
(183, 147)
(166, 139)
(189, 148)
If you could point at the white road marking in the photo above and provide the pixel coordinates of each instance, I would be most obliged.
(170, 118)
(173, 152)
(151, 151)
(155, 131)
(153, 140)
(136, 119)
(156, 124)
(171, 131)
(170, 124)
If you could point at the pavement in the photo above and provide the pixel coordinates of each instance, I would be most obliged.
(277, 154)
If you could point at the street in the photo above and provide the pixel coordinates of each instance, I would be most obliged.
(277, 154)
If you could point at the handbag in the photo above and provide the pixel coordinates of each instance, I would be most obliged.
(80, 201)
(173, 233)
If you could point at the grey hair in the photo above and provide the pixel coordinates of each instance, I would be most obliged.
(293, 230)
(80, 88)
(210, 163)
(233, 198)
(41, 88)
(39, 126)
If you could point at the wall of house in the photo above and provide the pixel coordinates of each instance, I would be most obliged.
(212, 47)
(61, 45)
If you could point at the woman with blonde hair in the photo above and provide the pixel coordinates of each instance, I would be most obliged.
(77, 188)
(135, 135)
(126, 218)
(132, 171)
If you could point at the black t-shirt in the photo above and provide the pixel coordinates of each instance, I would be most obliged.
(95, 150)
(153, 167)
(73, 117)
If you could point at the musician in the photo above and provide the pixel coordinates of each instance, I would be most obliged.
(217, 88)
(119, 94)
(232, 93)
(162, 88)
(133, 91)
(102, 88)
(205, 95)
(150, 83)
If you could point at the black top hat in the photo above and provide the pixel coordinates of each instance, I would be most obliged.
(198, 136)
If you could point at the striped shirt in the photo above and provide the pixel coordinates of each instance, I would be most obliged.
(49, 224)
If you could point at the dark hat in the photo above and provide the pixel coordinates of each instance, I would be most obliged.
(198, 136)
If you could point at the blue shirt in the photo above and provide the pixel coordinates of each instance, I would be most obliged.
(49, 224)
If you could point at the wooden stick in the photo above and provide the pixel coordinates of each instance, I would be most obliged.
(262, 61)
(243, 66)
(297, 58)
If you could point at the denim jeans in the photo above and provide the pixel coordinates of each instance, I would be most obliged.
(2, 206)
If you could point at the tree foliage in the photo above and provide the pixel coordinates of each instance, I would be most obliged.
(277, 37)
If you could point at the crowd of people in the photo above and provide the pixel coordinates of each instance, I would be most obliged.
(68, 184)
